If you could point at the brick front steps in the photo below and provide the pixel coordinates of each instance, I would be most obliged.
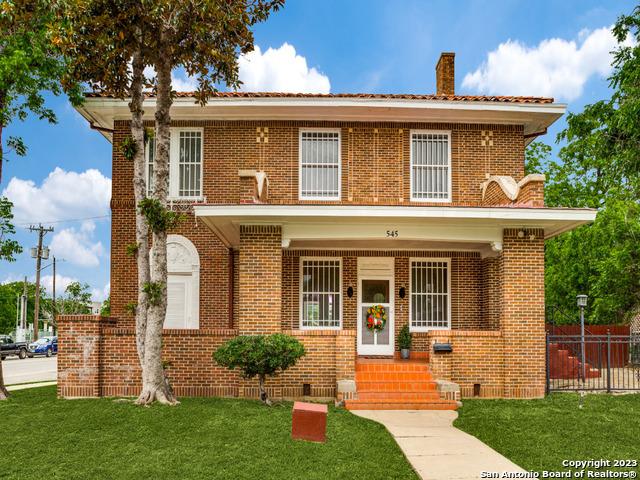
(389, 384)
(565, 366)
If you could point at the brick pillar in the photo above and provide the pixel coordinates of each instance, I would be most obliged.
(260, 280)
(79, 362)
(522, 317)
(492, 292)
(345, 365)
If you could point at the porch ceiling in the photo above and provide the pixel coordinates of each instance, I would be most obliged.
(389, 227)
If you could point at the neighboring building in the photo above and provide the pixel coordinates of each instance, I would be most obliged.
(304, 210)
(96, 307)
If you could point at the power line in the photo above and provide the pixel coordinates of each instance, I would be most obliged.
(65, 221)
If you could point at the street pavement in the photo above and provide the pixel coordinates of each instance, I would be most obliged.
(37, 369)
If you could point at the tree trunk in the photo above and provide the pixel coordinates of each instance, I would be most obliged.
(263, 392)
(154, 385)
(4, 394)
(140, 192)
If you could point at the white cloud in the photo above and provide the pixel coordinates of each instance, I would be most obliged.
(77, 246)
(276, 70)
(183, 83)
(61, 196)
(555, 68)
(280, 70)
(98, 295)
(62, 282)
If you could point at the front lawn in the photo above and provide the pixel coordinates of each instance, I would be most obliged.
(539, 434)
(42, 437)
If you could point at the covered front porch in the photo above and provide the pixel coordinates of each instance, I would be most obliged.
(471, 278)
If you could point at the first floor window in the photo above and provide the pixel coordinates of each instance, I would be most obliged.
(429, 294)
(320, 291)
(320, 165)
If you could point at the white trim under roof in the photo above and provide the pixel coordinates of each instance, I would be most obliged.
(535, 117)
(389, 227)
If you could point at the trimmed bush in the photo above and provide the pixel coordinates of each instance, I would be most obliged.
(404, 338)
(260, 355)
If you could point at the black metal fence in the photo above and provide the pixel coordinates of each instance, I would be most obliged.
(611, 363)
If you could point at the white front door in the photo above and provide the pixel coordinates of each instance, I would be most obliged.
(375, 289)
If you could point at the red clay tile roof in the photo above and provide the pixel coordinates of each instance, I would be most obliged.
(395, 96)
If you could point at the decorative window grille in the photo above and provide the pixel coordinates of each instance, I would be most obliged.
(429, 294)
(185, 164)
(430, 166)
(320, 165)
(320, 294)
(190, 164)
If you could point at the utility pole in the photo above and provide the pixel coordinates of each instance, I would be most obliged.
(55, 311)
(38, 254)
(23, 307)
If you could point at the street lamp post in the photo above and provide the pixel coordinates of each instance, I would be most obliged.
(582, 303)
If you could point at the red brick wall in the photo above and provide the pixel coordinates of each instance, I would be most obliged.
(375, 159)
(522, 319)
(477, 358)
(260, 283)
(214, 267)
(466, 288)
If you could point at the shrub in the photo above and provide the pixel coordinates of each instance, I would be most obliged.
(260, 355)
(404, 338)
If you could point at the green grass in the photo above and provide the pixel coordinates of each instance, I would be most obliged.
(539, 434)
(42, 437)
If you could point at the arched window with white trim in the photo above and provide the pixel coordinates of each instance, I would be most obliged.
(183, 284)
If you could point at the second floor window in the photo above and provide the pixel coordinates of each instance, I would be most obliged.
(431, 166)
(320, 164)
(185, 164)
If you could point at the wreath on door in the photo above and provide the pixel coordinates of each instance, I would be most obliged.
(376, 318)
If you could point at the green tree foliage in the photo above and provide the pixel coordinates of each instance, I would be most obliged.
(599, 167)
(9, 293)
(8, 246)
(259, 355)
(30, 64)
(105, 309)
(77, 299)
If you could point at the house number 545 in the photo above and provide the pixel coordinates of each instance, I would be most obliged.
(392, 233)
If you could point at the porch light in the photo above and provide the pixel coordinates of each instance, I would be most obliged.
(582, 301)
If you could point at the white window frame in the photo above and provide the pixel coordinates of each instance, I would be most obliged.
(449, 293)
(301, 195)
(449, 165)
(174, 164)
(301, 326)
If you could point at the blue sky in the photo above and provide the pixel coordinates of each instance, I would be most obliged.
(353, 46)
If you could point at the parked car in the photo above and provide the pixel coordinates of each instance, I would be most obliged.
(9, 347)
(44, 346)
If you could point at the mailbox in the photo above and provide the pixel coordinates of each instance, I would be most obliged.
(442, 348)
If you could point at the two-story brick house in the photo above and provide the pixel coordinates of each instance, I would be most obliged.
(305, 210)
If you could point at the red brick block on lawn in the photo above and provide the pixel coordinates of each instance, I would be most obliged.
(309, 422)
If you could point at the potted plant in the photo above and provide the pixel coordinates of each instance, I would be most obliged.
(404, 342)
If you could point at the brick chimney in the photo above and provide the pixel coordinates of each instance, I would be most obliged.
(445, 74)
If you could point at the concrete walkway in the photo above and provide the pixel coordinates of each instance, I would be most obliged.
(436, 449)
(24, 386)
